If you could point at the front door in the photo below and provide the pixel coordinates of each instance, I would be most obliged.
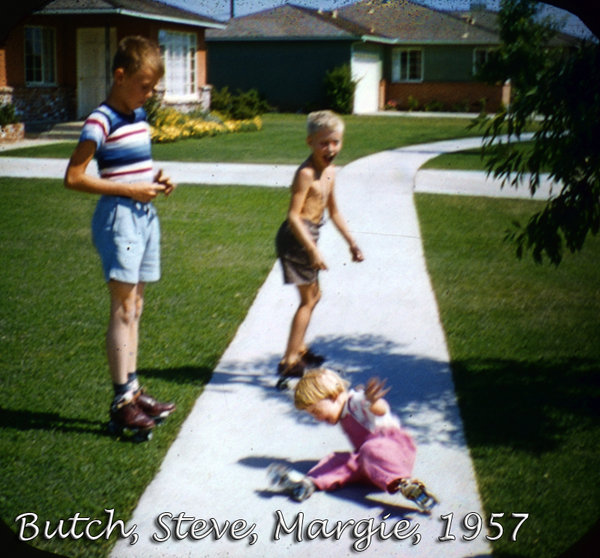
(367, 70)
(94, 62)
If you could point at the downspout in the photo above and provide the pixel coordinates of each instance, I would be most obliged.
(107, 60)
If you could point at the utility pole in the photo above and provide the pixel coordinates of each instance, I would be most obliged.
(232, 9)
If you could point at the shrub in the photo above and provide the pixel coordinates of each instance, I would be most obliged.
(242, 105)
(8, 114)
(152, 107)
(339, 89)
(413, 103)
(461, 106)
(434, 106)
(172, 125)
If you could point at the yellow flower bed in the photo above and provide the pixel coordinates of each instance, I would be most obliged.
(172, 125)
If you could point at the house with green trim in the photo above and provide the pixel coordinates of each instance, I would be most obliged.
(55, 65)
(400, 53)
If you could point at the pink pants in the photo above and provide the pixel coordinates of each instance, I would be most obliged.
(386, 455)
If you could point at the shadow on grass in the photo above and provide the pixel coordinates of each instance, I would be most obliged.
(21, 419)
(199, 375)
(24, 420)
(527, 406)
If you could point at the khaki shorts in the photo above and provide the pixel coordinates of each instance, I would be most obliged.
(295, 261)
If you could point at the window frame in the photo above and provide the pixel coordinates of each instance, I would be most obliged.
(400, 76)
(168, 40)
(477, 63)
(47, 69)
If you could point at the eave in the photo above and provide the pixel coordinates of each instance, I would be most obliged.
(133, 13)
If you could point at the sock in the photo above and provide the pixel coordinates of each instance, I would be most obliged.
(121, 393)
(121, 389)
(132, 382)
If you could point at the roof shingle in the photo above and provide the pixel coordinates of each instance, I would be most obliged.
(283, 22)
(142, 8)
(398, 21)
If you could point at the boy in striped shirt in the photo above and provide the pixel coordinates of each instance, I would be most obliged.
(125, 226)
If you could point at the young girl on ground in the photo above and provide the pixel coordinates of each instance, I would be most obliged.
(384, 453)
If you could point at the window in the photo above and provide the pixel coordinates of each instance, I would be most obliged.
(480, 57)
(40, 56)
(407, 65)
(179, 53)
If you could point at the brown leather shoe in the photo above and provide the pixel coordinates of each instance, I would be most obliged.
(153, 408)
(127, 415)
(295, 370)
(312, 359)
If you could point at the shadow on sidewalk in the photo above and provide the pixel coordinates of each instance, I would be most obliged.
(364, 495)
(419, 386)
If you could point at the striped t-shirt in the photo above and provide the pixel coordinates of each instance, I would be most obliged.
(123, 149)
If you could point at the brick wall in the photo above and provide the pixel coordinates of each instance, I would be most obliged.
(451, 96)
(51, 104)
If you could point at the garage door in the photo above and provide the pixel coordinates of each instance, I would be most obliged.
(367, 70)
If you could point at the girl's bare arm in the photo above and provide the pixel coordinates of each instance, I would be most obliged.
(375, 393)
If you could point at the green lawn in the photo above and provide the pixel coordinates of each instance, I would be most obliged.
(524, 341)
(470, 159)
(56, 456)
(282, 140)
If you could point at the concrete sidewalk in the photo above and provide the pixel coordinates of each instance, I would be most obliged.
(189, 173)
(379, 317)
(473, 183)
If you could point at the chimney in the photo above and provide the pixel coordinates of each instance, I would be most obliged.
(232, 9)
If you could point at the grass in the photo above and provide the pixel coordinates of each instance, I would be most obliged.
(56, 456)
(470, 159)
(282, 140)
(524, 341)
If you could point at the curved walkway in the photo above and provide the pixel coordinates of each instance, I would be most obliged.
(376, 318)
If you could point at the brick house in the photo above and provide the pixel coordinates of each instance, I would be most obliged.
(399, 51)
(55, 65)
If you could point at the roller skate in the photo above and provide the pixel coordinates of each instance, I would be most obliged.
(288, 371)
(154, 409)
(310, 358)
(127, 419)
(415, 491)
(290, 481)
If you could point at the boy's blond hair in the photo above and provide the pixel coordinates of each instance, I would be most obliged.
(137, 52)
(323, 119)
(316, 385)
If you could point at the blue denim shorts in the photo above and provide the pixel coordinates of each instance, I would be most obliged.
(126, 234)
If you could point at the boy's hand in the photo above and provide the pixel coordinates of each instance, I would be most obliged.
(357, 255)
(316, 260)
(375, 390)
(165, 181)
(145, 191)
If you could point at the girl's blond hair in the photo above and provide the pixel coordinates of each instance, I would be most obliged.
(323, 119)
(316, 385)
